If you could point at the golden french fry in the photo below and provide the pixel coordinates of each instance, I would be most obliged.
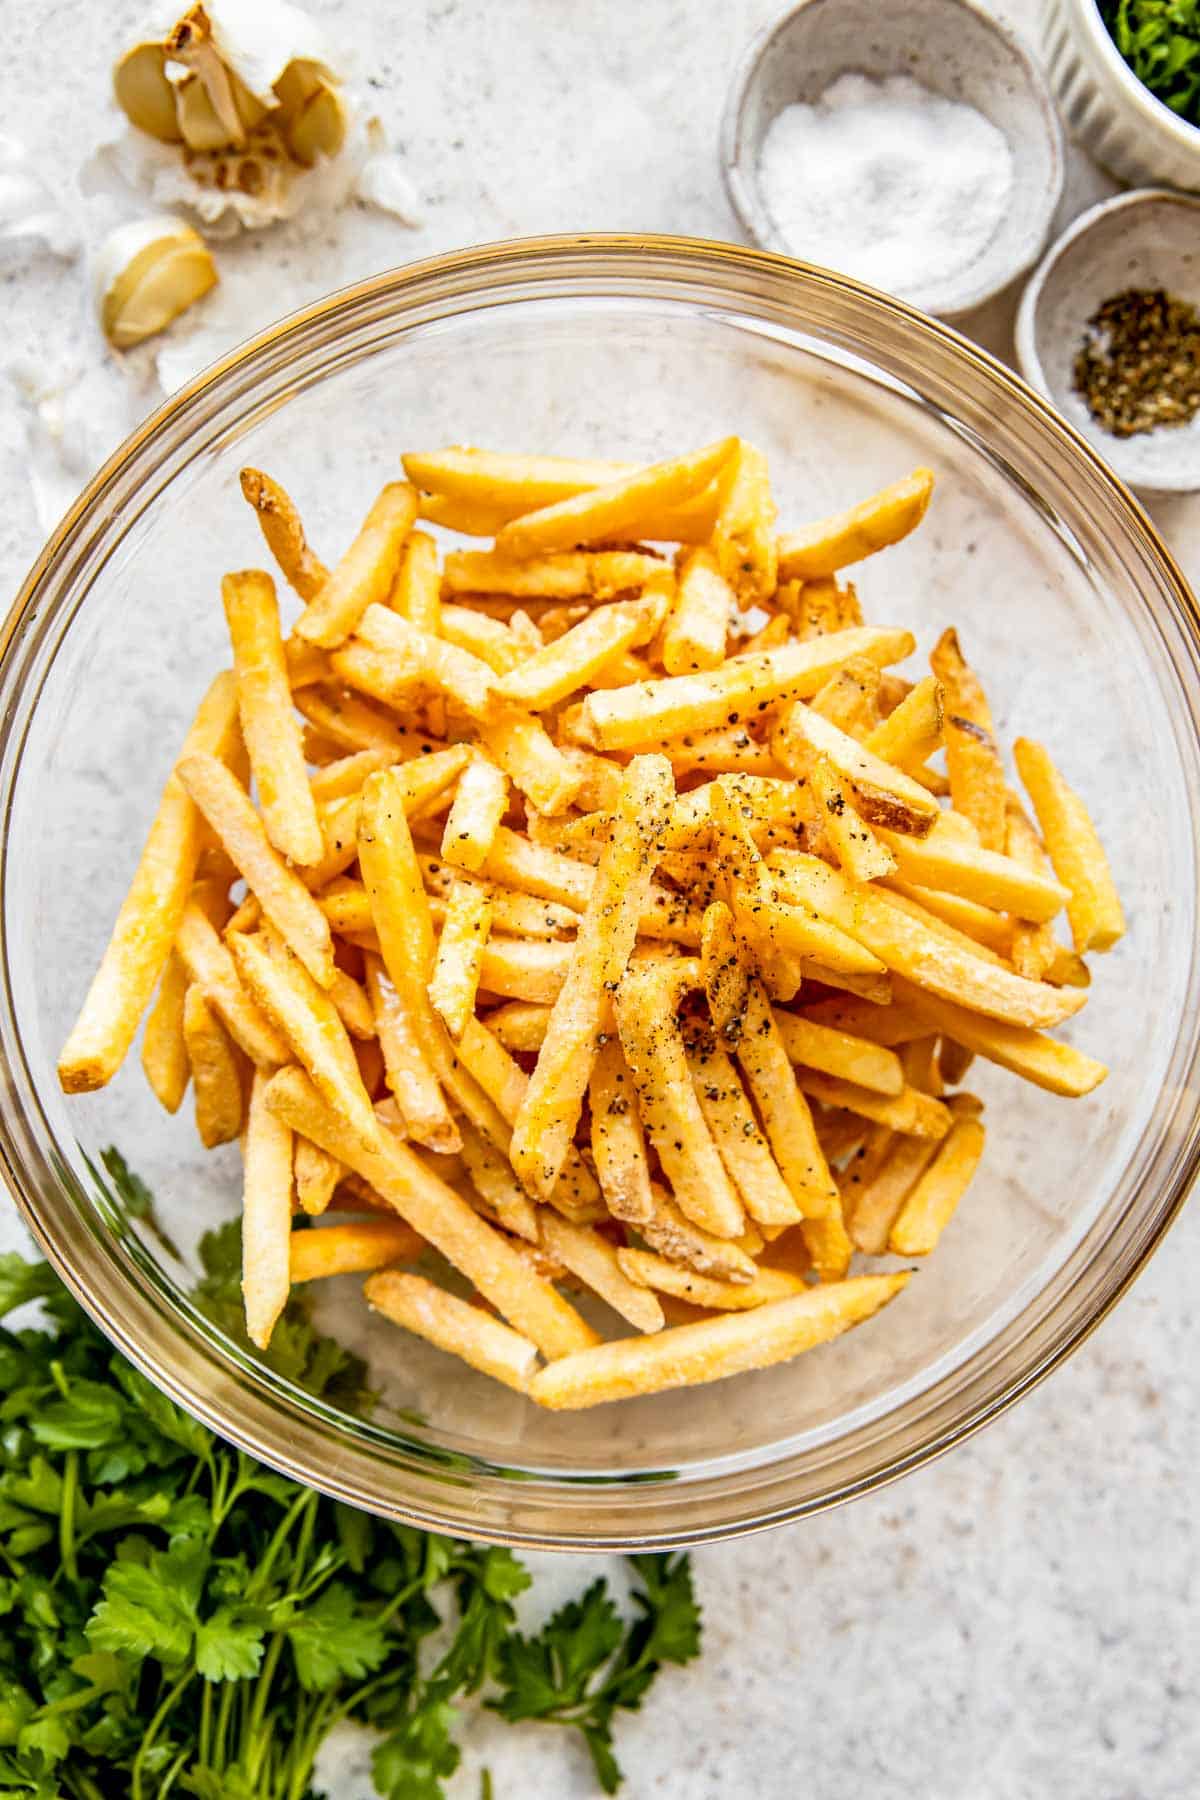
(502, 1079)
(595, 575)
(509, 484)
(608, 512)
(410, 1074)
(977, 786)
(285, 900)
(352, 1249)
(652, 1271)
(860, 853)
(280, 523)
(673, 1235)
(1033, 946)
(303, 1013)
(1058, 1067)
(839, 1052)
(744, 535)
(365, 573)
(525, 969)
(607, 930)
(590, 1257)
(913, 730)
(912, 1112)
(573, 660)
(1094, 908)
(783, 1109)
(440, 1215)
(944, 861)
(149, 918)
(479, 805)
(216, 1073)
(618, 1142)
(648, 711)
(519, 1025)
(317, 1175)
(994, 931)
(164, 1052)
(884, 795)
(686, 1355)
(457, 674)
(849, 699)
(210, 966)
(266, 1215)
(459, 959)
(880, 1198)
(889, 1025)
(670, 1111)
(694, 635)
(353, 724)
(816, 607)
(305, 664)
(847, 537)
(875, 988)
(455, 1326)
(497, 1186)
(829, 1245)
(268, 722)
(520, 745)
(740, 1143)
(724, 972)
(932, 1203)
(489, 640)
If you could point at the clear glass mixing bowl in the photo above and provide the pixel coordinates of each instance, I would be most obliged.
(633, 348)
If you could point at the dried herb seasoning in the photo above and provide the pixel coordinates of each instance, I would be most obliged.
(1139, 364)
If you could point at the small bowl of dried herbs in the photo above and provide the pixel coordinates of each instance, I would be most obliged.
(1109, 330)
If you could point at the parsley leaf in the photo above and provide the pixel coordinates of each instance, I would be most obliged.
(335, 1638)
(1160, 40)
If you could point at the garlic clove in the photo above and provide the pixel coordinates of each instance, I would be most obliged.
(148, 272)
(191, 43)
(198, 121)
(145, 95)
(296, 87)
(319, 128)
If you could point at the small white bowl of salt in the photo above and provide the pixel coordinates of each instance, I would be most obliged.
(915, 148)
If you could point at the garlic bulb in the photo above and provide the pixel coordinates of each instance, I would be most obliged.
(147, 273)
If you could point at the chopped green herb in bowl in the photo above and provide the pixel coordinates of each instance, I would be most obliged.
(1160, 40)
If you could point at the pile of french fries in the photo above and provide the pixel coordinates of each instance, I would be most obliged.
(601, 921)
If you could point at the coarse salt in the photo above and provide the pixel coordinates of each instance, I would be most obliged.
(887, 181)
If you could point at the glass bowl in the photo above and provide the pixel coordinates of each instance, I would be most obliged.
(623, 347)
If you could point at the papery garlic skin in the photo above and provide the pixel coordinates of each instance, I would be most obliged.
(146, 273)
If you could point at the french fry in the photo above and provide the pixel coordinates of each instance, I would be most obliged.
(911, 1112)
(211, 967)
(884, 795)
(847, 537)
(618, 1142)
(881, 1196)
(687, 1355)
(608, 512)
(648, 711)
(520, 745)
(933, 1201)
(849, 699)
(888, 1025)
(784, 1112)
(595, 575)
(740, 1143)
(525, 969)
(479, 805)
(573, 660)
(877, 989)
(410, 1075)
(973, 764)
(694, 634)
(1049, 1064)
(744, 535)
(317, 1175)
(859, 852)
(455, 1326)
(490, 640)
(285, 900)
(351, 1249)
(944, 861)
(365, 573)
(146, 925)
(931, 961)
(650, 1271)
(840, 1053)
(440, 1215)
(164, 1052)
(303, 1013)
(281, 527)
(670, 1111)
(596, 1262)
(502, 1079)
(353, 724)
(497, 1186)
(919, 1060)
(669, 1231)
(457, 674)
(352, 1005)
(269, 726)
(829, 1245)
(266, 1215)
(954, 1060)
(607, 930)
(913, 730)
(459, 960)
(1093, 909)
(994, 931)
(724, 972)
(519, 1025)
(1033, 947)
(216, 1074)
(816, 607)
(937, 922)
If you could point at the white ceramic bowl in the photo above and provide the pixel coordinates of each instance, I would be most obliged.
(1108, 110)
(1147, 239)
(948, 46)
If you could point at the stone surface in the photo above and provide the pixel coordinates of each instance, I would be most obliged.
(1020, 1618)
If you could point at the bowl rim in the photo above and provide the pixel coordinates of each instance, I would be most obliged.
(749, 205)
(304, 1452)
(1025, 331)
(1153, 112)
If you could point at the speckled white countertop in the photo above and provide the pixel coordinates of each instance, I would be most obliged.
(1021, 1619)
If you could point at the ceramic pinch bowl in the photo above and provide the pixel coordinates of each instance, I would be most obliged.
(949, 47)
(1147, 239)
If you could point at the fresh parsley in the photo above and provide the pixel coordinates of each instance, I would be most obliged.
(178, 1621)
(1160, 40)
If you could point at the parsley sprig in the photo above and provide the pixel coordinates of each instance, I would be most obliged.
(1160, 40)
(178, 1620)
